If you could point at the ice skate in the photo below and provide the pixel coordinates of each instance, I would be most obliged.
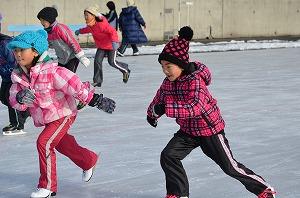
(126, 76)
(87, 174)
(174, 196)
(42, 193)
(267, 193)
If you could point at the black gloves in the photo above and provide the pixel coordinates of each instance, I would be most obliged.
(152, 121)
(25, 96)
(159, 109)
(103, 103)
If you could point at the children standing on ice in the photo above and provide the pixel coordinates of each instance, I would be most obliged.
(184, 95)
(7, 64)
(49, 92)
(62, 40)
(107, 42)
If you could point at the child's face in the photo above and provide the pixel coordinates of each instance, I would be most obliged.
(171, 70)
(25, 57)
(45, 23)
(88, 16)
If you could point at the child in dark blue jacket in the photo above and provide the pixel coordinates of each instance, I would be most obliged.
(7, 64)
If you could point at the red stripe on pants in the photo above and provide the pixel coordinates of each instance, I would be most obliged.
(55, 136)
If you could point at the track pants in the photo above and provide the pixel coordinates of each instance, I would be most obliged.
(111, 56)
(217, 148)
(55, 136)
(16, 118)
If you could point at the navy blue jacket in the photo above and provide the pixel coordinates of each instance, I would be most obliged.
(130, 22)
(7, 59)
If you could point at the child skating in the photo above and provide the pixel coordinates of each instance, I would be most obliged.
(62, 40)
(7, 64)
(184, 95)
(107, 42)
(50, 92)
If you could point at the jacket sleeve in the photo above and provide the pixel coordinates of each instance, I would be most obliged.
(85, 30)
(194, 106)
(14, 89)
(158, 99)
(67, 36)
(69, 83)
(139, 18)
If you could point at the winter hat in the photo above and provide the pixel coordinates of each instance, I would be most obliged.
(95, 10)
(48, 13)
(130, 3)
(176, 50)
(30, 39)
(111, 5)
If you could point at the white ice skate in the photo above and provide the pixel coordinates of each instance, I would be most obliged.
(14, 132)
(87, 174)
(42, 193)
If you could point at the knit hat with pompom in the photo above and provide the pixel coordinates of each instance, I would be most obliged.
(176, 50)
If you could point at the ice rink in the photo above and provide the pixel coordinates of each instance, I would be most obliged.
(258, 92)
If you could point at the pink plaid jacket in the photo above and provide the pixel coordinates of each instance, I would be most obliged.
(55, 89)
(189, 101)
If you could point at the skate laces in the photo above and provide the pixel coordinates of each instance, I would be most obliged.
(267, 193)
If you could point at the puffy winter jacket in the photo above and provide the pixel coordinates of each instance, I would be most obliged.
(189, 101)
(55, 89)
(7, 59)
(130, 22)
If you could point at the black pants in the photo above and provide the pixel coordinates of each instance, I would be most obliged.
(124, 46)
(16, 118)
(217, 148)
(71, 65)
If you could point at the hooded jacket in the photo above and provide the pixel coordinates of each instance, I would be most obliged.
(55, 88)
(189, 101)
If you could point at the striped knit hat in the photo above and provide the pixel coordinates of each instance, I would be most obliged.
(176, 50)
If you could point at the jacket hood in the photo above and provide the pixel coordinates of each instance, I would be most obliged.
(129, 9)
(200, 70)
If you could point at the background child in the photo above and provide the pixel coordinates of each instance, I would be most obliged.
(106, 39)
(112, 16)
(184, 95)
(49, 93)
(62, 40)
(130, 23)
(7, 64)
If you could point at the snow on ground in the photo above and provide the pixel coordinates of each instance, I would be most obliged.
(258, 92)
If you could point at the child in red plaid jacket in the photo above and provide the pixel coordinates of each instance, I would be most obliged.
(184, 95)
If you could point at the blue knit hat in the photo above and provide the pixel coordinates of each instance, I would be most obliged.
(31, 39)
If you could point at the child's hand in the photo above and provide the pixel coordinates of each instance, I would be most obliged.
(25, 96)
(159, 110)
(77, 32)
(103, 103)
(83, 59)
(152, 121)
(115, 45)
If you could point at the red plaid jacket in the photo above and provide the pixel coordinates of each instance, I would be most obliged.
(188, 100)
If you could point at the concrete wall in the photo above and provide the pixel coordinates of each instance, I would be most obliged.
(208, 18)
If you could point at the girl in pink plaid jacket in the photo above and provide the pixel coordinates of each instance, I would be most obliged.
(49, 92)
(184, 95)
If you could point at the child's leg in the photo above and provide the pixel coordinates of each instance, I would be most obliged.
(82, 157)
(98, 73)
(46, 142)
(134, 48)
(71, 65)
(217, 148)
(111, 56)
(122, 48)
(175, 151)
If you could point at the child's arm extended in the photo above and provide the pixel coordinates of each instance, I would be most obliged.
(194, 106)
